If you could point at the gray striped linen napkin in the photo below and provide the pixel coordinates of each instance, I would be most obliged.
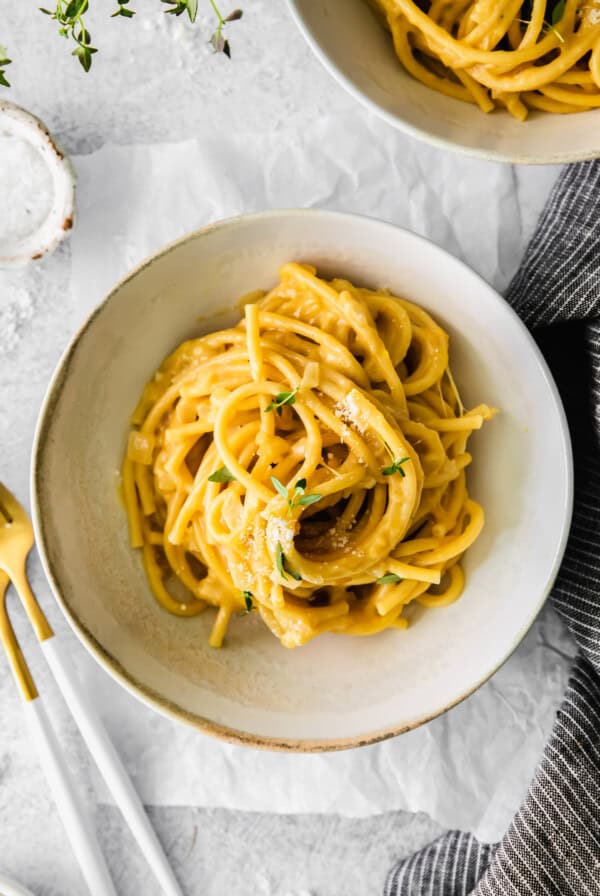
(552, 847)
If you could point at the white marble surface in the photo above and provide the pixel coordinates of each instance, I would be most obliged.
(154, 80)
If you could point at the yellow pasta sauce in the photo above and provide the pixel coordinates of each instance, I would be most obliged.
(307, 464)
(540, 54)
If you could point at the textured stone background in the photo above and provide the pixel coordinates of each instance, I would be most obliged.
(154, 79)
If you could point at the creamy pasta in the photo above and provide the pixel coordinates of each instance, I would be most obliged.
(308, 464)
(541, 54)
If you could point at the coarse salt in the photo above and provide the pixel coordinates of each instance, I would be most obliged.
(17, 307)
(26, 190)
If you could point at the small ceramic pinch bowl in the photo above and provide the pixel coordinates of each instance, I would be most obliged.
(37, 189)
(351, 42)
(336, 691)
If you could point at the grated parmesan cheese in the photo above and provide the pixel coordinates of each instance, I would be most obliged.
(281, 532)
(349, 411)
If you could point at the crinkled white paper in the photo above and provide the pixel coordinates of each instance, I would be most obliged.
(470, 768)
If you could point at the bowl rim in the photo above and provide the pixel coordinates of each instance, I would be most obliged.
(146, 694)
(11, 887)
(489, 155)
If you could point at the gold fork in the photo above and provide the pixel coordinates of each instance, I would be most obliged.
(16, 541)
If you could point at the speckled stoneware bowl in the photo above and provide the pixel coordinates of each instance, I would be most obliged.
(43, 208)
(352, 44)
(337, 691)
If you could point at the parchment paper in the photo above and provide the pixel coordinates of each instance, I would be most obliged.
(469, 768)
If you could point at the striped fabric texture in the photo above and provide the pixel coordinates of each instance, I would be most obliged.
(552, 847)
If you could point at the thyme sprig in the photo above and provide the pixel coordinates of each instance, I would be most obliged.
(247, 595)
(298, 498)
(558, 11)
(222, 475)
(69, 16)
(395, 467)
(219, 43)
(283, 566)
(180, 6)
(281, 400)
(396, 464)
(4, 61)
(122, 10)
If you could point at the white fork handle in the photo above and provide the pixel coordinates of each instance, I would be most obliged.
(109, 764)
(75, 818)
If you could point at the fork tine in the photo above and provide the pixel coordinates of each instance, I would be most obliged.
(4, 514)
(11, 645)
(10, 507)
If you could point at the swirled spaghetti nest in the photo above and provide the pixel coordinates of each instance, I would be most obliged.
(308, 463)
(539, 54)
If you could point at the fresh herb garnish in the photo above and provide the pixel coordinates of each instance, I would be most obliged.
(280, 487)
(305, 500)
(558, 11)
(122, 10)
(221, 475)
(389, 578)
(4, 61)
(396, 464)
(298, 498)
(283, 567)
(70, 19)
(281, 399)
(219, 43)
(247, 595)
(179, 6)
(395, 467)
(555, 32)
(69, 15)
(279, 557)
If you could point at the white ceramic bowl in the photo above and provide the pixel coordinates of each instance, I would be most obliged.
(10, 887)
(35, 236)
(336, 691)
(351, 43)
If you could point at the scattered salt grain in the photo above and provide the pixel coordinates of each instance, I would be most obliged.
(16, 309)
